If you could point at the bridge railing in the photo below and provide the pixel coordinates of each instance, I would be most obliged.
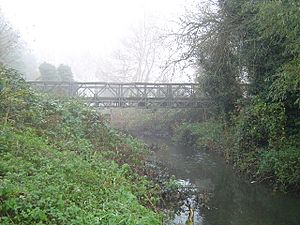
(127, 94)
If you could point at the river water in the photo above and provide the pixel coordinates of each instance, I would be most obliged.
(234, 201)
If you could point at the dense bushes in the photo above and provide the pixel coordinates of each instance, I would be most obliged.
(60, 163)
(202, 134)
(255, 142)
(247, 54)
(263, 132)
(258, 140)
(40, 184)
(260, 125)
(282, 163)
(211, 135)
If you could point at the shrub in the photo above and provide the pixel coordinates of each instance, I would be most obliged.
(260, 125)
(213, 135)
(60, 163)
(42, 185)
(282, 163)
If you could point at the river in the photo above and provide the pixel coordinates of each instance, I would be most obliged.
(234, 200)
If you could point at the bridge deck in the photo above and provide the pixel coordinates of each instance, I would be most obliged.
(102, 94)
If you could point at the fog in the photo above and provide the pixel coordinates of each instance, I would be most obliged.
(113, 40)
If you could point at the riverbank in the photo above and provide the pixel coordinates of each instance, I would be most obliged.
(276, 164)
(61, 163)
(232, 199)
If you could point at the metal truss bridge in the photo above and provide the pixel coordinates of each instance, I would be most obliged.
(146, 95)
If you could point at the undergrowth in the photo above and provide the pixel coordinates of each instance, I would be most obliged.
(155, 121)
(257, 141)
(60, 163)
(249, 146)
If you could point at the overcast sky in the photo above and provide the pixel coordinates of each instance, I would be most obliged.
(59, 29)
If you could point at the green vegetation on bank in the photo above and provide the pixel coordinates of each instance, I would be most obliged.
(154, 121)
(252, 141)
(60, 163)
(247, 54)
(278, 164)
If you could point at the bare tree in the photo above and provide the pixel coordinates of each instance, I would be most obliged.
(14, 53)
(137, 55)
(137, 58)
(9, 41)
(141, 51)
(147, 53)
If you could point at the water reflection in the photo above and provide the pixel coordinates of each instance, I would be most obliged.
(234, 202)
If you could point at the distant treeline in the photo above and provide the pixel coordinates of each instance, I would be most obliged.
(49, 72)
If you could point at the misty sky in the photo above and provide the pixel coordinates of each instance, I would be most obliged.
(64, 31)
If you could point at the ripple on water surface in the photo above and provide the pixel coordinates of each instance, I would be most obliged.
(234, 201)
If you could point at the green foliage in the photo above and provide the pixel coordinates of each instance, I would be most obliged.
(65, 73)
(48, 72)
(222, 90)
(278, 21)
(40, 184)
(242, 41)
(260, 139)
(255, 141)
(216, 55)
(201, 134)
(282, 162)
(60, 163)
(260, 125)
(212, 135)
(172, 184)
(256, 43)
(286, 90)
(245, 146)
(286, 85)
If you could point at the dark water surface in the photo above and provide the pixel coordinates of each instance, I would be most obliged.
(235, 201)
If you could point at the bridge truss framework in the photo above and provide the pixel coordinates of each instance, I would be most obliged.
(146, 95)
